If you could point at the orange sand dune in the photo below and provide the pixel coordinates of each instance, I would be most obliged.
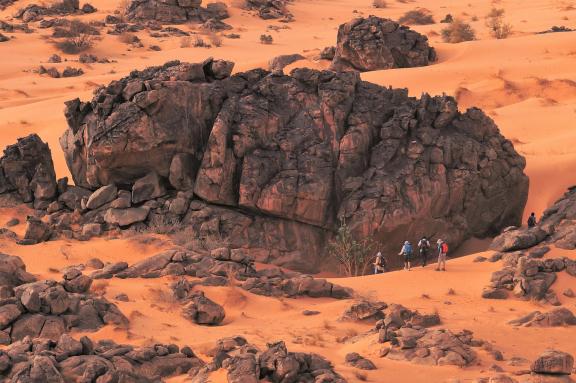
(154, 314)
(526, 83)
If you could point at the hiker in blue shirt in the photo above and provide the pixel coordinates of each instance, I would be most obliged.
(407, 253)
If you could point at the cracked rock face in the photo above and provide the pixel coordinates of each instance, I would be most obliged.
(292, 155)
(373, 43)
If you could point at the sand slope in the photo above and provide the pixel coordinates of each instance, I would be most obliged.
(527, 83)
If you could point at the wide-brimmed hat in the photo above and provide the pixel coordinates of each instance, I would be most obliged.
(406, 243)
(439, 241)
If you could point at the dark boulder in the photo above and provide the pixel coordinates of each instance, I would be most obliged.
(373, 43)
(203, 311)
(27, 169)
(553, 362)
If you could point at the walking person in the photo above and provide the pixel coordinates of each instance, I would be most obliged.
(424, 246)
(407, 253)
(379, 264)
(442, 251)
(532, 220)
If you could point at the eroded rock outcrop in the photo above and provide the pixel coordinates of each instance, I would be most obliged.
(48, 309)
(555, 318)
(175, 11)
(246, 364)
(270, 9)
(373, 43)
(66, 359)
(557, 226)
(528, 277)
(27, 170)
(278, 160)
(431, 347)
(215, 269)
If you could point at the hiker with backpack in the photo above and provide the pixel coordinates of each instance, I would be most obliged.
(442, 251)
(407, 253)
(424, 246)
(532, 220)
(379, 264)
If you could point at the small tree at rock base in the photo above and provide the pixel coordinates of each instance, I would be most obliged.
(352, 254)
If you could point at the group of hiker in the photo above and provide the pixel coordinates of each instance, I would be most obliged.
(424, 249)
(407, 252)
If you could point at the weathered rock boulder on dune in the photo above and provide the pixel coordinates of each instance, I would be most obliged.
(290, 156)
(175, 11)
(27, 169)
(373, 43)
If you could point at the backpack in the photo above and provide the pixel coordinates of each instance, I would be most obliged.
(532, 221)
(408, 249)
(424, 244)
(382, 262)
(444, 247)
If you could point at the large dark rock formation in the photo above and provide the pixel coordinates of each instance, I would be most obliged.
(279, 160)
(27, 169)
(373, 43)
(175, 11)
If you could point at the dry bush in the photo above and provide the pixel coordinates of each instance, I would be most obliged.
(79, 37)
(266, 39)
(499, 29)
(458, 31)
(420, 16)
(361, 376)
(215, 40)
(198, 42)
(447, 19)
(186, 42)
(379, 4)
(451, 291)
(128, 38)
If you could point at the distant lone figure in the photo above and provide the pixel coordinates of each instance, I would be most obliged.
(424, 246)
(407, 253)
(532, 220)
(442, 251)
(379, 264)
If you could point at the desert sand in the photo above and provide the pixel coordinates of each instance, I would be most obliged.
(526, 83)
